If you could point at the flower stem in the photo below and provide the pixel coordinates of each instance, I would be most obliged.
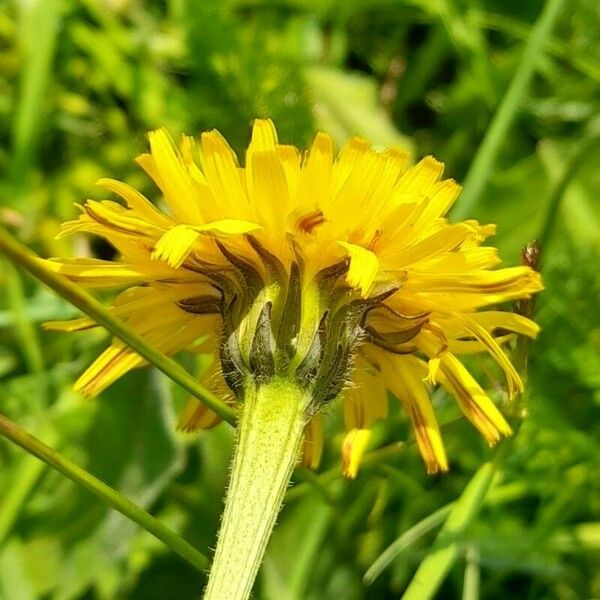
(269, 436)
(107, 494)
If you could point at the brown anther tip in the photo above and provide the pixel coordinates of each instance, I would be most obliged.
(310, 221)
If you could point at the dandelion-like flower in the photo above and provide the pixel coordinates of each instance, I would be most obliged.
(340, 272)
(308, 277)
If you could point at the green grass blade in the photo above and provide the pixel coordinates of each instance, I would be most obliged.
(558, 189)
(409, 537)
(307, 552)
(472, 578)
(434, 568)
(26, 477)
(483, 163)
(40, 27)
(563, 50)
(15, 582)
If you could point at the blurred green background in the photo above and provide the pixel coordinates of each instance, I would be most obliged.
(80, 84)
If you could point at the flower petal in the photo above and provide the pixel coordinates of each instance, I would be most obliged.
(196, 415)
(353, 448)
(473, 401)
(100, 273)
(264, 135)
(174, 179)
(365, 401)
(269, 192)
(364, 267)
(220, 167)
(169, 330)
(227, 227)
(135, 201)
(175, 245)
(403, 375)
(421, 178)
(315, 179)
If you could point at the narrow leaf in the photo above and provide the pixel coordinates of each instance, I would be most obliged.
(434, 568)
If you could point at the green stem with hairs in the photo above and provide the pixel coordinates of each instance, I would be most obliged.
(269, 436)
(23, 257)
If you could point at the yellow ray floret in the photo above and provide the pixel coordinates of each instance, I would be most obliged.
(355, 445)
(177, 243)
(404, 377)
(473, 401)
(364, 266)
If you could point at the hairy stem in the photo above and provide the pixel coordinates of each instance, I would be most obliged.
(269, 436)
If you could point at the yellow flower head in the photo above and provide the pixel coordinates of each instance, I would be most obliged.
(338, 270)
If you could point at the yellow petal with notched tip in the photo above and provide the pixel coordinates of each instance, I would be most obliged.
(177, 243)
(353, 448)
(175, 180)
(473, 401)
(264, 135)
(364, 267)
(403, 376)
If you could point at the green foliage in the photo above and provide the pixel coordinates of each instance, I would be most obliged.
(80, 84)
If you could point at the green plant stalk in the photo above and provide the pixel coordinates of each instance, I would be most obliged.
(483, 163)
(110, 496)
(434, 568)
(472, 579)
(416, 532)
(268, 442)
(21, 256)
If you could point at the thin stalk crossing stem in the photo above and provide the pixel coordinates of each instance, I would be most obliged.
(110, 496)
(22, 256)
